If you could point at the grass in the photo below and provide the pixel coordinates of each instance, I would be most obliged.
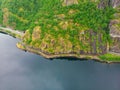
(110, 57)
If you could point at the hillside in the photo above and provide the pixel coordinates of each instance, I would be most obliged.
(57, 27)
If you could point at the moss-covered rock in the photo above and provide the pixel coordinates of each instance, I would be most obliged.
(115, 33)
(36, 33)
(27, 36)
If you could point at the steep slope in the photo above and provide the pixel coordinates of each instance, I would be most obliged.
(115, 32)
(114, 25)
(57, 27)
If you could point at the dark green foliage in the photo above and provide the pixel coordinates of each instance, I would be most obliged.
(49, 14)
(93, 17)
(1, 15)
(32, 10)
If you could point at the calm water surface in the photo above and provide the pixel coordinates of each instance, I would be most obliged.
(21, 70)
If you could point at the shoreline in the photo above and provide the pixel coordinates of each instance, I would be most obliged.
(18, 34)
(68, 55)
(11, 32)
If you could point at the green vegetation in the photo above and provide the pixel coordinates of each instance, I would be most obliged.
(110, 57)
(53, 28)
(25, 14)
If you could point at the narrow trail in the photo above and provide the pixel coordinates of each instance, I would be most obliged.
(12, 31)
(21, 33)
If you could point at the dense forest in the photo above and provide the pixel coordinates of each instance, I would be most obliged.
(55, 27)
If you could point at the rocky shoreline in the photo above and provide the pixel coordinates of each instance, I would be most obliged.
(67, 55)
(26, 47)
(49, 56)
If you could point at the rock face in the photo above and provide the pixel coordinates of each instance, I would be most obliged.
(114, 25)
(115, 28)
(115, 47)
(115, 3)
(103, 3)
(115, 35)
(106, 3)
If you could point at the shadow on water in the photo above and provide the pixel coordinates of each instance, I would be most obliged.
(69, 59)
(3, 33)
(7, 34)
(25, 71)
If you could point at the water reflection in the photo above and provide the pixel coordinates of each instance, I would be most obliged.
(21, 70)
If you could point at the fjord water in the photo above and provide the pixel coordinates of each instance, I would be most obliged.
(21, 70)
